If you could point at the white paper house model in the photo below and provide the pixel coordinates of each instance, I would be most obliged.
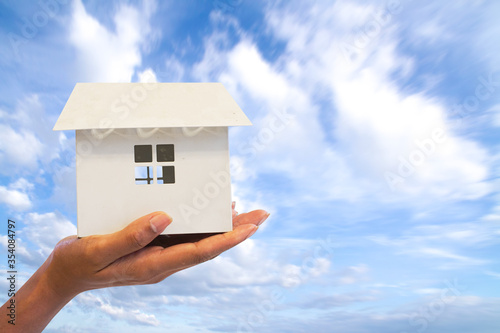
(145, 147)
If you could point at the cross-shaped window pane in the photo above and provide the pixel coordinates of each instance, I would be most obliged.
(143, 175)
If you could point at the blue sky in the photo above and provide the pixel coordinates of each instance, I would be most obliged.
(375, 147)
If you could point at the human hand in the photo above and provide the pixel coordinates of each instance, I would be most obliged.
(122, 258)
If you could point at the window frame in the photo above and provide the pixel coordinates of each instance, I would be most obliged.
(155, 163)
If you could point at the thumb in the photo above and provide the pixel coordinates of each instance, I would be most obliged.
(133, 237)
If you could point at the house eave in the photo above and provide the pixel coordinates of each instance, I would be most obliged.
(149, 105)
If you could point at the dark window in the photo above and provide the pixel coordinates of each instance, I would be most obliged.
(143, 153)
(164, 153)
(143, 175)
(166, 174)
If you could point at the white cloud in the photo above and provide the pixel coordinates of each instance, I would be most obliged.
(287, 136)
(16, 195)
(28, 146)
(456, 260)
(353, 274)
(14, 199)
(231, 283)
(427, 291)
(19, 148)
(26, 255)
(338, 148)
(45, 230)
(429, 314)
(147, 76)
(250, 265)
(494, 115)
(395, 133)
(341, 300)
(481, 233)
(355, 140)
(256, 76)
(494, 274)
(136, 317)
(214, 59)
(376, 123)
(110, 56)
(445, 243)
(22, 184)
(236, 279)
(174, 70)
(64, 190)
(293, 276)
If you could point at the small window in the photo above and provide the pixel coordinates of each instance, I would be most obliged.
(143, 153)
(152, 173)
(165, 153)
(166, 174)
(143, 175)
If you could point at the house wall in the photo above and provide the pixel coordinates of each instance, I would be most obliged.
(108, 197)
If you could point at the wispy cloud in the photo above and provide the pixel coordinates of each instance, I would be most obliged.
(110, 55)
(340, 300)
(377, 119)
(135, 317)
(494, 274)
(456, 259)
(16, 196)
(340, 94)
(445, 242)
(44, 231)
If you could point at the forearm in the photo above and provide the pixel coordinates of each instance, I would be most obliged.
(36, 303)
(121, 258)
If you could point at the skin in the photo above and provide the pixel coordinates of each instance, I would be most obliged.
(119, 259)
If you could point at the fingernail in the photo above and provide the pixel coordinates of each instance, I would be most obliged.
(159, 222)
(263, 219)
(252, 230)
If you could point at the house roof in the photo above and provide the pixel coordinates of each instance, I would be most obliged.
(149, 105)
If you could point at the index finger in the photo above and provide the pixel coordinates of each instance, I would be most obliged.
(189, 254)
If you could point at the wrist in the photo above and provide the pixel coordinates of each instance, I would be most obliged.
(57, 283)
(37, 302)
